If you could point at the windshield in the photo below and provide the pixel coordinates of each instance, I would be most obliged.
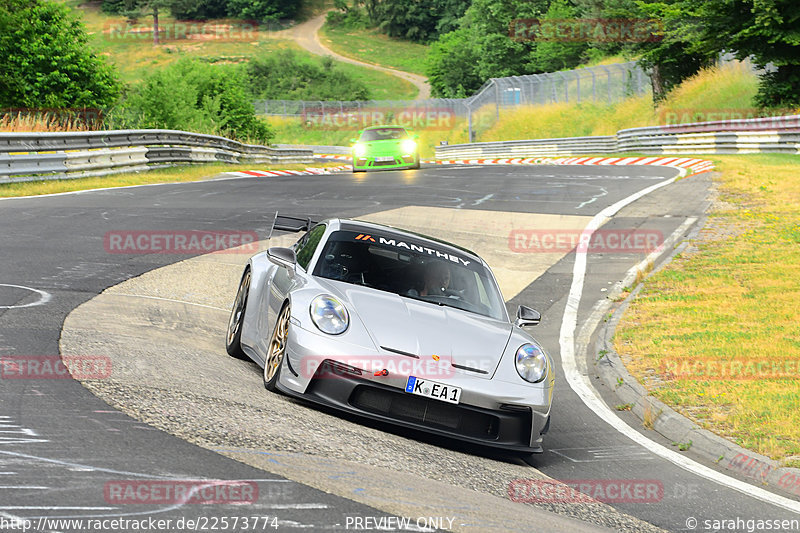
(383, 134)
(411, 269)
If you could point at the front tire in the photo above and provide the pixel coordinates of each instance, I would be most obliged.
(277, 349)
(233, 339)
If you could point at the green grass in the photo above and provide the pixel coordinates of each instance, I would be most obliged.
(381, 86)
(134, 56)
(730, 300)
(163, 175)
(371, 46)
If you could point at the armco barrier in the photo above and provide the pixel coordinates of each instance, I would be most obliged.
(36, 156)
(759, 135)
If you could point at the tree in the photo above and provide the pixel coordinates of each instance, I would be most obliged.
(766, 30)
(198, 9)
(263, 10)
(195, 96)
(558, 52)
(419, 21)
(460, 61)
(46, 61)
(451, 67)
(150, 8)
(673, 55)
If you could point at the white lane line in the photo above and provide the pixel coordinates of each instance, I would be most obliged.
(594, 198)
(23, 487)
(44, 297)
(584, 389)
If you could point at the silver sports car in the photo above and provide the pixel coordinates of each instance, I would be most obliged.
(397, 327)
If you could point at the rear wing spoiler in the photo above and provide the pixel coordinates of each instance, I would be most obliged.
(290, 223)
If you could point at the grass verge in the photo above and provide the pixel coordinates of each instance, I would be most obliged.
(716, 333)
(162, 175)
(371, 46)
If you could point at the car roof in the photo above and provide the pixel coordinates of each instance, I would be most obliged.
(359, 225)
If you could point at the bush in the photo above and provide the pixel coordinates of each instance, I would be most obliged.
(285, 76)
(194, 96)
(349, 18)
(46, 61)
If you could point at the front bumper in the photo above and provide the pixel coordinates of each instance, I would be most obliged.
(397, 162)
(513, 428)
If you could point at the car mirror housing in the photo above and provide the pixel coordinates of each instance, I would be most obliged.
(527, 316)
(283, 257)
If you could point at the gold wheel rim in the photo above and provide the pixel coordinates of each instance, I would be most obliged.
(277, 346)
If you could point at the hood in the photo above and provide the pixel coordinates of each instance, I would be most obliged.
(400, 324)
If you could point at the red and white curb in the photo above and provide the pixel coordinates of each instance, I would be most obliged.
(694, 165)
(307, 172)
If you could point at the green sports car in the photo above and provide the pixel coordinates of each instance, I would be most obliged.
(385, 147)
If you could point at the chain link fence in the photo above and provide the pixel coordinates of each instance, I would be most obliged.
(602, 83)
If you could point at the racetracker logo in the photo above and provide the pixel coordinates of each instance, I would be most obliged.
(196, 30)
(55, 367)
(180, 242)
(382, 366)
(730, 369)
(586, 30)
(586, 490)
(165, 492)
(600, 241)
(414, 118)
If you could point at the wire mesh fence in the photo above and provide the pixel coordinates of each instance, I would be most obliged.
(602, 83)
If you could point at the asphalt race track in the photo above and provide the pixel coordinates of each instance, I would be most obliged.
(61, 446)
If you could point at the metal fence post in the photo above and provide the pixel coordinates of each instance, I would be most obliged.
(469, 124)
(496, 98)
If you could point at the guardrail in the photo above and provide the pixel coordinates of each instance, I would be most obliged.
(758, 135)
(319, 149)
(36, 156)
(532, 148)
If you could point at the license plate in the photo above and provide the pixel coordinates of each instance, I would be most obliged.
(433, 389)
(384, 159)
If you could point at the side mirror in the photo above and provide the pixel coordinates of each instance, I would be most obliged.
(527, 317)
(283, 257)
(353, 140)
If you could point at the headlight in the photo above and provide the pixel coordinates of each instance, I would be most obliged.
(329, 315)
(359, 150)
(408, 146)
(531, 363)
